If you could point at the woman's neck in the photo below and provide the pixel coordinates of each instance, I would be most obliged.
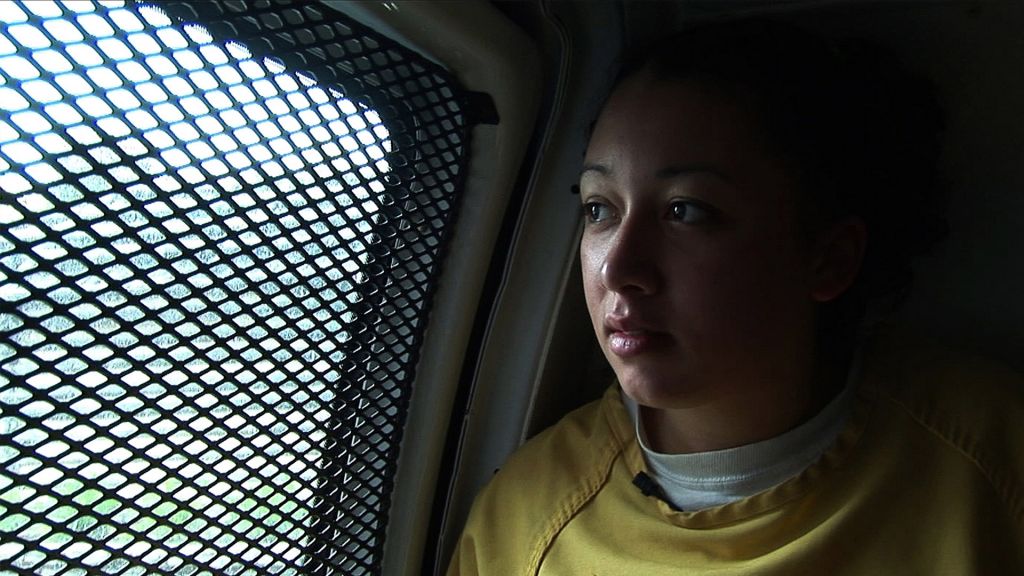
(764, 411)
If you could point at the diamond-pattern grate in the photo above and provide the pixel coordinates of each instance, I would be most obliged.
(220, 225)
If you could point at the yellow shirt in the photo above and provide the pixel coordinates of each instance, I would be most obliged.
(927, 478)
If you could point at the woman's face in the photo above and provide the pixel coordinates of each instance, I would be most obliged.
(697, 281)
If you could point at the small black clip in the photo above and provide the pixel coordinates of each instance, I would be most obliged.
(648, 487)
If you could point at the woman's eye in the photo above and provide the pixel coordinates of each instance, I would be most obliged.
(597, 212)
(689, 212)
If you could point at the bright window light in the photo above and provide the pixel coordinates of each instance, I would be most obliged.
(185, 229)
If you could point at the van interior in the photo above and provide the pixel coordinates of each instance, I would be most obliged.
(284, 283)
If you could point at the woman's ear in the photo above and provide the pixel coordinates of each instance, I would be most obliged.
(838, 254)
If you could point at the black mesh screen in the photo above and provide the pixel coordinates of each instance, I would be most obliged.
(220, 223)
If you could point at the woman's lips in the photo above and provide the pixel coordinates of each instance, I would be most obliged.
(630, 336)
(628, 343)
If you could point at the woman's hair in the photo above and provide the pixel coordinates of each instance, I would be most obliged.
(860, 134)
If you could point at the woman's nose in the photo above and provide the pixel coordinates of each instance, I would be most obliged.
(630, 265)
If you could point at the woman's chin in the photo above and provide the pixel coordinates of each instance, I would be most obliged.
(657, 393)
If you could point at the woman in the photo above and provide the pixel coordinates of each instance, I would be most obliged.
(751, 196)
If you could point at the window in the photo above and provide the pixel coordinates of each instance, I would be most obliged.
(220, 224)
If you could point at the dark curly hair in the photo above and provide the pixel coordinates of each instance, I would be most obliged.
(860, 133)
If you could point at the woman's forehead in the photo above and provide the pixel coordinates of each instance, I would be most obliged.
(665, 125)
(655, 134)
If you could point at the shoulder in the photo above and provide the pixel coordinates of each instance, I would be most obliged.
(560, 455)
(972, 404)
(539, 489)
(935, 382)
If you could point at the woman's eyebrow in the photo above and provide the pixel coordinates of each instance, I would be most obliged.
(671, 172)
(598, 168)
(666, 173)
